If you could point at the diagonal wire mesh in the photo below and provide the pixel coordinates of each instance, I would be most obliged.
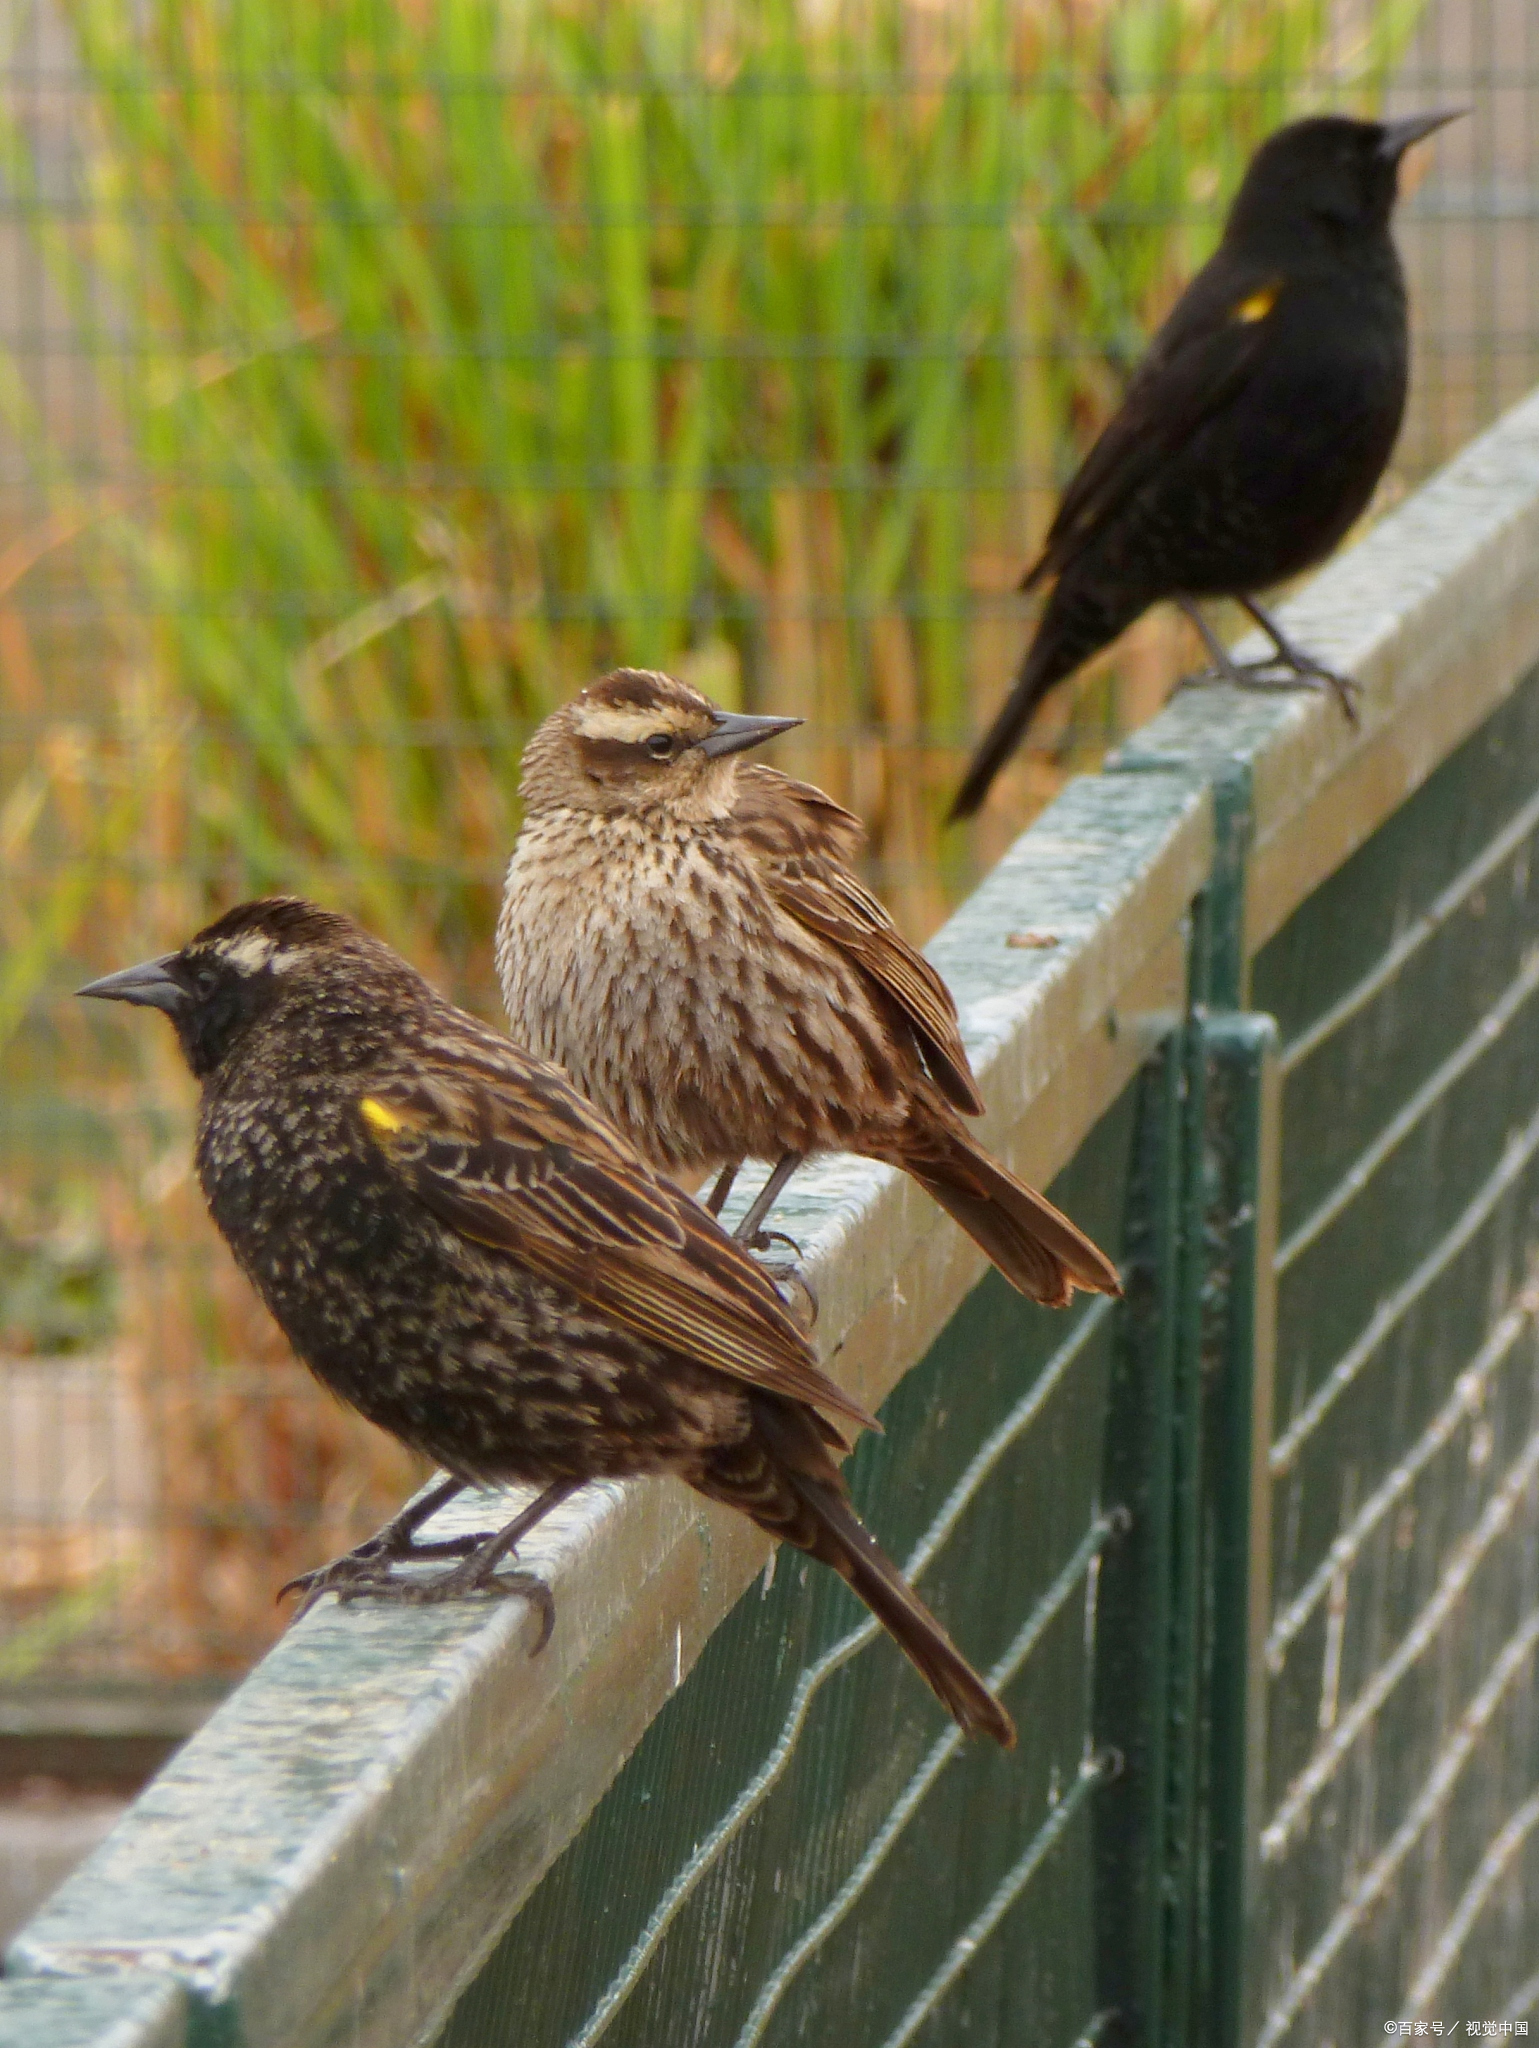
(1397, 1837)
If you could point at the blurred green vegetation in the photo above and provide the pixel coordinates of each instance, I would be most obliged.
(459, 350)
(57, 1284)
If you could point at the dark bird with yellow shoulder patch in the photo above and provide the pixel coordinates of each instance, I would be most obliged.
(1253, 432)
(461, 1247)
(683, 933)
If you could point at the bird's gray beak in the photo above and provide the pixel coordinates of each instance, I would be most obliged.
(1399, 135)
(735, 730)
(149, 984)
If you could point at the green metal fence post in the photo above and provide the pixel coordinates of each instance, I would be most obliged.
(1220, 1339)
(1239, 1171)
(1136, 1621)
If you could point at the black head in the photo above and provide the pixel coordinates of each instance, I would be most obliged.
(638, 741)
(1328, 172)
(231, 974)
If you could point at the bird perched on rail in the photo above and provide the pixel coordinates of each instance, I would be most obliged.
(1253, 432)
(461, 1247)
(684, 935)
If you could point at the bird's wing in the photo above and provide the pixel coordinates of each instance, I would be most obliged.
(504, 1151)
(1194, 366)
(795, 818)
(815, 887)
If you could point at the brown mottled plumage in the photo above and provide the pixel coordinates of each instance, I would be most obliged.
(686, 937)
(460, 1246)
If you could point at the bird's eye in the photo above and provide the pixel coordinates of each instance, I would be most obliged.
(660, 746)
(204, 981)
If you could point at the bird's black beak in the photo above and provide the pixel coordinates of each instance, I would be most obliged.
(734, 731)
(150, 984)
(1399, 135)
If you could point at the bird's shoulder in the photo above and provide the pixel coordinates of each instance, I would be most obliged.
(783, 819)
(504, 1152)
(1199, 360)
(804, 841)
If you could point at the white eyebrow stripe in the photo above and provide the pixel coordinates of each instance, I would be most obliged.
(616, 722)
(254, 950)
(250, 952)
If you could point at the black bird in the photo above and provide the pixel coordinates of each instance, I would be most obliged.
(460, 1246)
(1253, 432)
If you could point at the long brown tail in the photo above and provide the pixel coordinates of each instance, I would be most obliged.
(1033, 1244)
(786, 1479)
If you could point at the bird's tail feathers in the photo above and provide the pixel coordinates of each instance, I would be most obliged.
(1033, 1244)
(829, 1528)
(1041, 667)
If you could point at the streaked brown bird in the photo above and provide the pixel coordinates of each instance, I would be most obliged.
(461, 1247)
(684, 935)
(1253, 432)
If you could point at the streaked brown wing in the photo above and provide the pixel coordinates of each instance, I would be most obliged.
(803, 841)
(515, 1159)
(795, 820)
(841, 909)
(1195, 364)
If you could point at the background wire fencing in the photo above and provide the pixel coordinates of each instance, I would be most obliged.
(372, 376)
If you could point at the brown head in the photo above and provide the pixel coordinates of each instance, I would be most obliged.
(640, 741)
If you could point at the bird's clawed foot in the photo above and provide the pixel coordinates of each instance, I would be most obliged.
(1294, 669)
(1278, 674)
(359, 1576)
(1290, 668)
(395, 1544)
(370, 1566)
(477, 1575)
(797, 1293)
(372, 1571)
(750, 1230)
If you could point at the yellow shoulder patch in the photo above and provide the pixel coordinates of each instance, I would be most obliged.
(382, 1118)
(1259, 304)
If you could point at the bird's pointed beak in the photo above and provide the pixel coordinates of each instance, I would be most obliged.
(1399, 135)
(735, 731)
(150, 984)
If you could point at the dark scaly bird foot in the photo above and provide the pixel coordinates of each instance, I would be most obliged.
(1275, 674)
(764, 1241)
(476, 1576)
(478, 1573)
(371, 1563)
(797, 1293)
(750, 1230)
(372, 1571)
(1290, 668)
(1297, 670)
(395, 1543)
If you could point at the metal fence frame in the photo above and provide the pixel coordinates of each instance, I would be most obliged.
(333, 1855)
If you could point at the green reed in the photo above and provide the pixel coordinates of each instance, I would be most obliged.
(474, 348)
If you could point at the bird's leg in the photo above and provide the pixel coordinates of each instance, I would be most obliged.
(388, 1546)
(791, 1283)
(797, 1294)
(477, 1572)
(1301, 671)
(748, 1231)
(1306, 671)
(716, 1200)
(1222, 665)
